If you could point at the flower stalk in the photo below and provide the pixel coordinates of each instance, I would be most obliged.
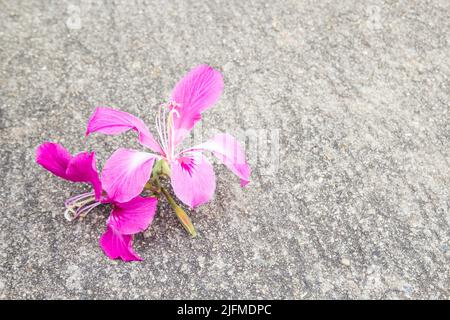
(161, 169)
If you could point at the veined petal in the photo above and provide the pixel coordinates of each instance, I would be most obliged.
(111, 121)
(195, 93)
(117, 245)
(193, 179)
(133, 216)
(53, 157)
(125, 174)
(83, 168)
(228, 150)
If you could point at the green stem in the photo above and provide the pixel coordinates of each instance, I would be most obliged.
(182, 216)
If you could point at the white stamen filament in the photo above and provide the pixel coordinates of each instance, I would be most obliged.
(78, 205)
(165, 126)
(172, 133)
(166, 129)
(160, 130)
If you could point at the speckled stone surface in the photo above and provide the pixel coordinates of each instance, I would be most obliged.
(344, 109)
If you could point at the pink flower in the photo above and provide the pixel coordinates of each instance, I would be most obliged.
(192, 177)
(126, 218)
(128, 172)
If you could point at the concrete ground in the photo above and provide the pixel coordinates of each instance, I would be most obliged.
(344, 108)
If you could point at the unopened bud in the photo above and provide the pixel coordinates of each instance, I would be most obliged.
(185, 221)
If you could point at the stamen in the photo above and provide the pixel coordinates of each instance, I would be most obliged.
(165, 128)
(161, 128)
(176, 112)
(164, 125)
(85, 210)
(81, 204)
(68, 217)
(171, 132)
(70, 201)
(189, 152)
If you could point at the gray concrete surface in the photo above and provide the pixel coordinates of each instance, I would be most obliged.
(355, 93)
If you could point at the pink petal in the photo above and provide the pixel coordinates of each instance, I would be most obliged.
(83, 168)
(195, 93)
(125, 174)
(193, 179)
(133, 216)
(116, 245)
(228, 150)
(111, 121)
(53, 157)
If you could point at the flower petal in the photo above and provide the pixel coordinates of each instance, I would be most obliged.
(125, 174)
(193, 179)
(228, 150)
(111, 121)
(195, 93)
(83, 168)
(116, 245)
(133, 216)
(53, 157)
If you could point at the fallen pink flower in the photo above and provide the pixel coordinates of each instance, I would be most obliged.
(126, 218)
(127, 173)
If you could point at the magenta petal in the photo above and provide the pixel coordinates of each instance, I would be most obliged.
(133, 216)
(111, 121)
(125, 174)
(83, 168)
(116, 245)
(228, 150)
(53, 157)
(195, 93)
(193, 179)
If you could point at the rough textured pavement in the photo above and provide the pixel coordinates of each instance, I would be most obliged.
(344, 107)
